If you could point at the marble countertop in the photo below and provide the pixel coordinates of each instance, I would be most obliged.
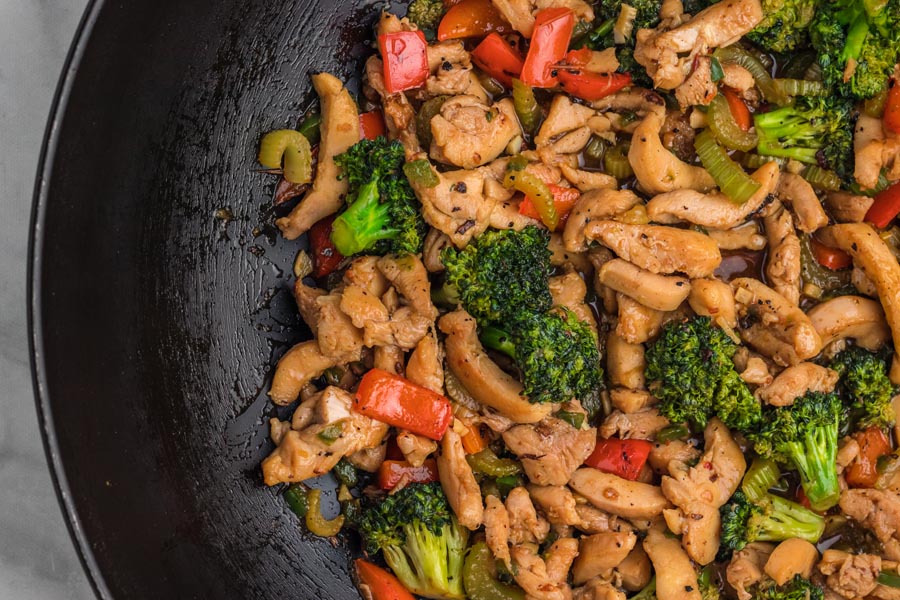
(37, 558)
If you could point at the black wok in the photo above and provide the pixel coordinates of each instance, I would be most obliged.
(159, 292)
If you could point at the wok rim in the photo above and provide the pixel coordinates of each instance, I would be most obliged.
(42, 190)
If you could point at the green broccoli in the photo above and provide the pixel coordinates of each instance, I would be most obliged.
(383, 215)
(691, 372)
(500, 274)
(759, 478)
(426, 14)
(769, 519)
(421, 540)
(858, 43)
(798, 588)
(784, 26)
(864, 383)
(601, 36)
(647, 12)
(804, 436)
(815, 130)
(556, 353)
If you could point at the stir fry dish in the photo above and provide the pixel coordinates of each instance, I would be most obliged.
(604, 301)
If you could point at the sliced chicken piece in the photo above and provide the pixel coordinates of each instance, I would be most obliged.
(563, 116)
(557, 502)
(742, 237)
(363, 272)
(698, 88)
(410, 278)
(484, 380)
(659, 292)
(797, 193)
(618, 496)
(458, 205)
(663, 454)
(551, 450)
(545, 578)
(598, 589)
(658, 248)
(600, 204)
(405, 329)
(426, 364)
(699, 491)
(415, 448)
(737, 77)
(636, 100)
(850, 575)
(641, 425)
(877, 511)
(299, 366)
(568, 291)
(630, 401)
(600, 553)
(587, 181)
(517, 13)
(872, 255)
(496, 529)
(746, 568)
(668, 54)
(625, 362)
(848, 208)
(783, 259)
(772, 325)
(874, 150)
(713, 298)
(658, 170)
(796, 381)
(715, 210)
(637, 323)
(676, 578)
(851, 317)
(459, 482)
(525, 526)
(791, 558)
(468, 133)
(340, 130)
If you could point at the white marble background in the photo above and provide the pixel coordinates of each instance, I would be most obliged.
(37, 558)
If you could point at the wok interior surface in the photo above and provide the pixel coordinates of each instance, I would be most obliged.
(161, 293)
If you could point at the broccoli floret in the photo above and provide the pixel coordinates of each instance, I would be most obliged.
(426, 14)
(864, 383)
(383, 214)
(500, 274)
(647, 12)
(804, 436)
(691, 372)
(858, 43)
(556, 353)
(797, 588)
(601, 35)
(420, 538)
(815, 130)
(784, 26)
(769, 519)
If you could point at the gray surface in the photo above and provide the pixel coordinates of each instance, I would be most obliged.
(37, 559)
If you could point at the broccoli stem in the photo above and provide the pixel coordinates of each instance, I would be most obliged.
(497, 339)
(363, 223)
(815, 457)
(787, 520)
(760, 477)
(856, 37)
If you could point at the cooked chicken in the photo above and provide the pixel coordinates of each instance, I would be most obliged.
(795, 381)
(468, 133)
(557, 502)
(630, 401)
(426, 365)
(851, 317)
(746, 568)
(791, 558)
(772, 325)
(496, 529)
(850, 575)
(658, 248)
(878, 511)
(676, 578)
(874, 150)
(299, 365)
(713, 298)
(664, 454)
(668, 55)
(587, 181)
(783, 258)
(598, 589)
(600, 553)
(340, 130)
(551, 450)
(642, 425)
(658, 170)
(458, 482)
(797, 193)
(415, 448)
(620, 497)
(525, 526)
(594, 205)
(714, 209)
(545, 578)
(568, 291)
(698, 88)
(625, 362)
(637, 323)
(659, 292)
(742, 237)
(564, 116)
(848, 208)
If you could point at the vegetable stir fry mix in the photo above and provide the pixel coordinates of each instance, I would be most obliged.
(605, 298)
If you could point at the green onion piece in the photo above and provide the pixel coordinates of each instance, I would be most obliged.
(595, 151)
(732, 180)
(290, 146)
(518, 178)
(573, 418)
(616, 163)
(889, 579)
(346, 473)
(678, 431)
(311, 128)
(318, 524)
(726, 129)
(331, 433)
(716, 71)
(822, 178)
(488, 463)
(594, 38)
(420, 173)
(527, 107)
(800, 87)
(627, 117)
(740, 56)
(296, 498)
(427, 111)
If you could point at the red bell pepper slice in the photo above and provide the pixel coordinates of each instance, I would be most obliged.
(405, 61)
(873, 443)
(381, 584)
(325, 257)
(739, 109)
(579, 58)
(371, 125)
(399, 402)
(392, 471)
(624, 458)
(592, 86)
(564, 200)
(892, 107)
(885, 207)
(549, 43)
(471, 18)
(498, 59)
(830, 258)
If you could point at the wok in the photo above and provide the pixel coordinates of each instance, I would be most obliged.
(159, 292)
